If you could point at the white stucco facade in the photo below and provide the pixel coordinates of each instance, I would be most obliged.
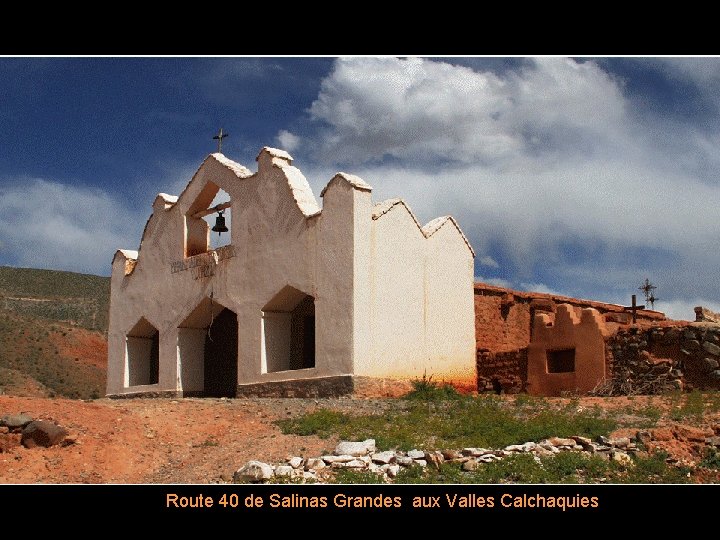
(305, 300)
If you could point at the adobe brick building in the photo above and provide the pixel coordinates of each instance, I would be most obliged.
(550, 345)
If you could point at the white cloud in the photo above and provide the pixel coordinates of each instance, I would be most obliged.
(497, 282)
(46, 224)
(684, 310)
(423, 110)
(487, 260)
(549, 163)
(538, 287)
(702, 72)
(288, 141)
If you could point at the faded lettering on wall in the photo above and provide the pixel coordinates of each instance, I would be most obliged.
(203, 265)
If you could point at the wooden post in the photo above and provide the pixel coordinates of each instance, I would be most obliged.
(633, 308)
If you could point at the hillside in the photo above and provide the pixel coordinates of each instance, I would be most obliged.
(52, 333)
(79, 299)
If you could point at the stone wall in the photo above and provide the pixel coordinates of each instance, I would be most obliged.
(501, 323)
(703, 314)
(663, 358)
(502, 372)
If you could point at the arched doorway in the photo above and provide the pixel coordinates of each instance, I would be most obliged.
(142, 354)
(208, 351)
(288, 332)
(221, 346)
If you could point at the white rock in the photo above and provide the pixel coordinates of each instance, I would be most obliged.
(541, 451)
(404, 461)
(384, 457)
(621, 457)
(620, 442)
(314, 464)
(548, 446)
(355, 448)
(296, 462)
(283, 470)
(451, 455)
(525, 447)
(354, 464)
(436, 458)
(309, 475)
(416, 454)
(514, 448)
(560, 441)
(476, 452)
(337, 459)
(392, 470)
(421, 462)
(253, 471)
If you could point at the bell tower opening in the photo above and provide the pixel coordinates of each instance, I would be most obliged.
(208, 222)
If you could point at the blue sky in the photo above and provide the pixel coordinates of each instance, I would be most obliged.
(576, 176)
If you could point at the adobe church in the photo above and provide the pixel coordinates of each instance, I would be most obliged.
(304, 300)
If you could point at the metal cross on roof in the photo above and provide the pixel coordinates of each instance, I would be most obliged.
(647, 288)
(219, 137)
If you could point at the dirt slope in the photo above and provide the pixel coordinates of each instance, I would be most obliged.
(153, 441)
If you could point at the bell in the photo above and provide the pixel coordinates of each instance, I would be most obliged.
(220, 223)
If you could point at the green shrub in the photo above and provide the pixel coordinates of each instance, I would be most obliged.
(426, 389)
(693, 406)
(352, 476)
(711, 459)
(482, 421)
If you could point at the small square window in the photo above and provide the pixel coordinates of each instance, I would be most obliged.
(561, 361)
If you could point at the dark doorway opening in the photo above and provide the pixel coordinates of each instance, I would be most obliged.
(142, 354)
(221, 349)
(308, 353)
(288, 331)
(302, 334)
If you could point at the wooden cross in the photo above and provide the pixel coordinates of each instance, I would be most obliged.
(634, 308)
(219, 137)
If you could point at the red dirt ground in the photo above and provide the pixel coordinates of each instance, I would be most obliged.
(205, 440)
(148, 441)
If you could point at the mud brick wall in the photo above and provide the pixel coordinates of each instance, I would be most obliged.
(658, 359)
(502, 372)
(501, 323)
(503, 331)
(503, 317)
